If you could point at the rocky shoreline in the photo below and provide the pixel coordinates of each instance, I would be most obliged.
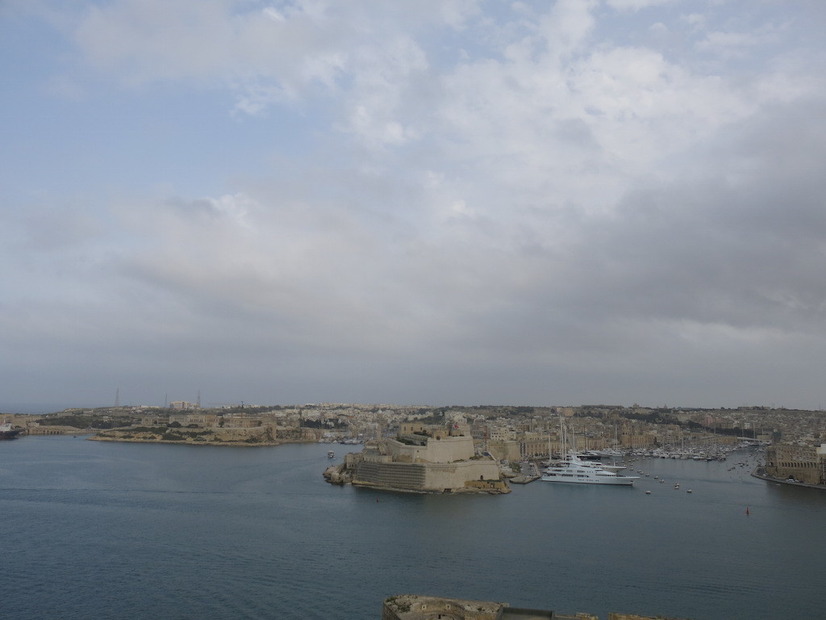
(237, 437)
(192, 442)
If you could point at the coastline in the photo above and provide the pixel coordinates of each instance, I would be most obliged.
(230, 444)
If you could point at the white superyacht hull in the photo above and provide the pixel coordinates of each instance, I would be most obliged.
(625, 481)
(575, 471)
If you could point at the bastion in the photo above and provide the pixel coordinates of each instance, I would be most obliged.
(422, 459)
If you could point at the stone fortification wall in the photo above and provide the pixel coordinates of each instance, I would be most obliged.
(508, 449)
(375, 457)
(404, 453)
(53, 430)
(401, 476)
(436, 432)
(450, 449)
(472, 476)
(442, 476)
(409, 428)
(445, 450)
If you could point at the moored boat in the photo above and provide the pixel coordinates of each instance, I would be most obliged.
(574, 470)
(7, 431)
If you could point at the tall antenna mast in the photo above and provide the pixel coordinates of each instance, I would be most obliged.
(117, 397)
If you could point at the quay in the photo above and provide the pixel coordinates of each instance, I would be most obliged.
(527, 477)
(760, 473)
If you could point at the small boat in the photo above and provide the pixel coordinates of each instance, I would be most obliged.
(331, 454)
(7, 431)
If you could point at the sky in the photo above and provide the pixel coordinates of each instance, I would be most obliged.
(426, 202)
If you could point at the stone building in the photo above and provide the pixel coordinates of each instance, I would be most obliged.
(802, 463)
(200, 419)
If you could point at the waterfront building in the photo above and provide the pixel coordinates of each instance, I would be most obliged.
(802, 463)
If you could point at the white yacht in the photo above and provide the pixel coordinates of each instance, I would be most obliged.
(574, 470)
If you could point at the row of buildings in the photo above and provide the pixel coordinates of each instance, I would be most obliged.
(510, 433)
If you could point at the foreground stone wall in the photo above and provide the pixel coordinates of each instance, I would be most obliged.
(411, 607)
(414, 607)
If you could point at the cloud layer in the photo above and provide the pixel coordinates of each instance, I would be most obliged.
(429, 202)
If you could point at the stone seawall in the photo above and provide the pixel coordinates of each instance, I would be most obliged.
(401, 476)
(759, 473)
(461, 477)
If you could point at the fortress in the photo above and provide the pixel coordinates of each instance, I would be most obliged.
(422, 459)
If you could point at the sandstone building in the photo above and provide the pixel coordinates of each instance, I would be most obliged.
(802, 463)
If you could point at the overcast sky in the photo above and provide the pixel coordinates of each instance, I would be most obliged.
(414, 202)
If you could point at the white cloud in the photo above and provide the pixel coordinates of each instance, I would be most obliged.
(566, 26)
(382, 91)
(635, 5)
(214, 42)
(732, 44)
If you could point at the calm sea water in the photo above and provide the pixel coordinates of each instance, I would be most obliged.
(105, 530)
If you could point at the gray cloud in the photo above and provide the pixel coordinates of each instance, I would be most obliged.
(476, 209)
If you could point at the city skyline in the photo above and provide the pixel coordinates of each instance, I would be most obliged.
(438, 202)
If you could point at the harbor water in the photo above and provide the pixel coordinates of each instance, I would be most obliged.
(118, 530)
